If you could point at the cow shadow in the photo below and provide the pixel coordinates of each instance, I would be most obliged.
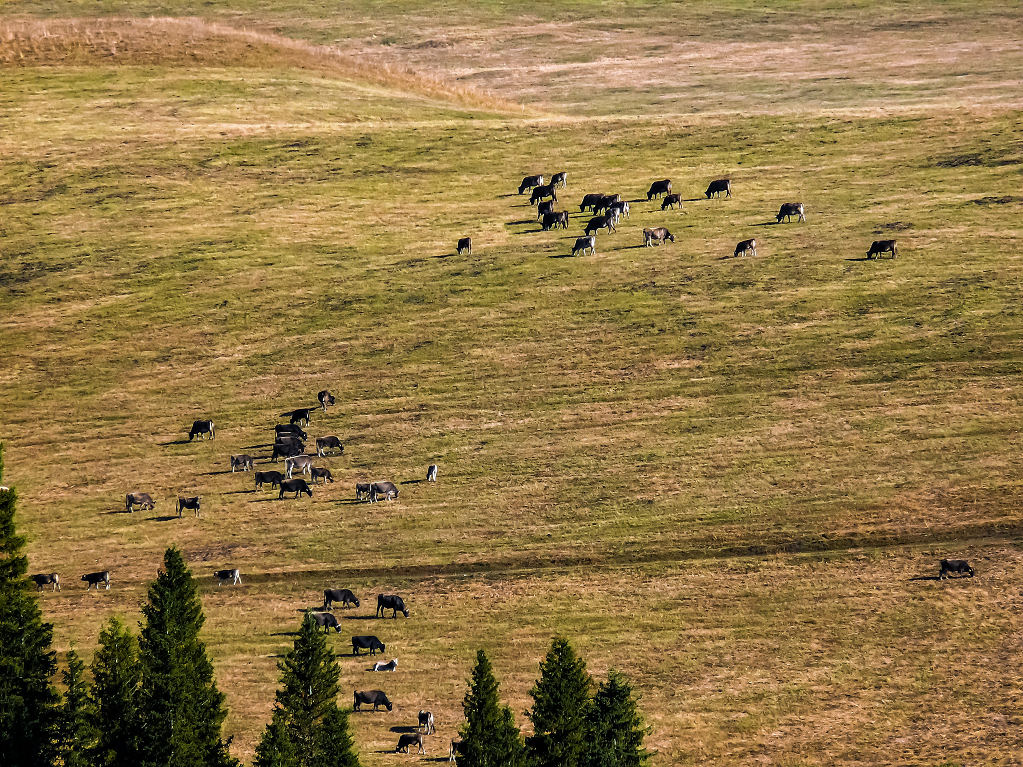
(401, 729)
(266, 500)
(351, 501)
(521, 223)
(861, 258)
(359, 617)
(411, 482)
(165, 518)
(631, 247)
(285, 634)
(694, 199)
(925, 578)
(563, 255)
(176, 442)
(236, 492)
(638, 199)
(505, 196)
(767, 223)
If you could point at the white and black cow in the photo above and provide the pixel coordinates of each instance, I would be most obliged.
(202, 430)
(390, 665)
(222, 576)
(426, 723)
(95, 579)
(46, 579)
(192, 503)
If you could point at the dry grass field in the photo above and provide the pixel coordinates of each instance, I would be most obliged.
(731, 478)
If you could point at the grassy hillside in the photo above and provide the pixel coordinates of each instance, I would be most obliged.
(731, 478)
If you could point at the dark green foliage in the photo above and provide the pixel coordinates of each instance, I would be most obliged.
(615, 726)
(489, 735)
(116, 681)
(275, 749)
(334, 746)
(77, 721)
(29, 713)
(182, 709)
(561, 704)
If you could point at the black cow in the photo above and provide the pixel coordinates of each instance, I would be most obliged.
(877, 247)
(600, 222)
(344, 596)
(45, 579)
(326, 399)
(543, 208)
(235, 576)
(371, 697)
(560, 178)
(671, 200)
(658, 188)
(407, 739)
(606, 202)
(958, 566)
(746, 246)
(321, 472)
(529, 182)
(542, 193)
(273, 477)
(552, 220)
(464, 246)
(717, 187)
(328, 443)
(590, 201)
(326, 621)
(585, 243)
(296, 486)
(385, 490)
(293, 430)
(790, 209)
(188, 503)
(287, 449)
(142, 500)
(241, 463)
(202, 429)
(426, 723)
(298, 415)
(370, 643)
(391, 602)
(362, 490)
(95, 579)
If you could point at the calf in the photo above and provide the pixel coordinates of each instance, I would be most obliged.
(958, 566)
(323, 444)
(529, 182)
(790, 209)
(659, 188)
(464, 246)
(273, 477)
(45, 579)
(426, 723)
(95, 579)
(292, 430)
(326, 399)
(296, 486)
(554, 220)
(235, 576)
(560, 179)
(600, 222)
(717, 187)
(671, 200)
(319, 472)
(304, 463)
(391, 665)
(582, 244)
(188, 503)
(391, 602)
(241, 463)
(344, 596)
(590, 201)
(658, 235)
(431, 473)
(362, 490)
(202, 429)
(326, 621)
(298, 415)
(386, 490)
(370, 643)
(745, 247)
(543, 208)
(142, 500)
(371, 697)
(542, 193)
(410, 739)
(877, 247)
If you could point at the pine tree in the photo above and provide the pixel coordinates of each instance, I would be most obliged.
(116, 691)
(29, 713)
(334, 746)
(182, 708)
(615, 726)
(275, 748)
(77, 731)
(561, 702)
(489, 735)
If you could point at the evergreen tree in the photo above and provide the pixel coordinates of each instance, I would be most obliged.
(334, 746)
(489, 735)
(116, 683)
(182, 709)
(275, 748)
(29, 712)
(615, 726)
(77, 731)
(561, 703)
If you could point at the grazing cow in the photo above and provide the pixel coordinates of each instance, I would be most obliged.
(877, 247)
(745, 247)
(590, 201)
(606, 202)
(304, 463)
(454, 750)
(95, 579)
(235, 576)
(326, 399)
(410, 739)
(542, 193)
(790, 209)
(370, 643)
(344, 596)
(560, 179)
(188, 503)
(362, 490)
(45, 579)
(391, 665)
(142, 500)
(658, 188)
(431, 473)
(671, 200)
(328, 443)
(273, 477)
(292, 430)
(553, 220)
(371, 697)
(385, 490)
(326, 621)
(298, 415)
(426, 723)
(585, 243)
(959, 566)
(202, 429)
(529, 182)
(618, 209)
(600, 222)
(658, 235)
(241, 463)
(543, 208)
(321, 472)
(717, 187)
(296, 486)
(464, 246)
(391, 602)
(287, 449)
